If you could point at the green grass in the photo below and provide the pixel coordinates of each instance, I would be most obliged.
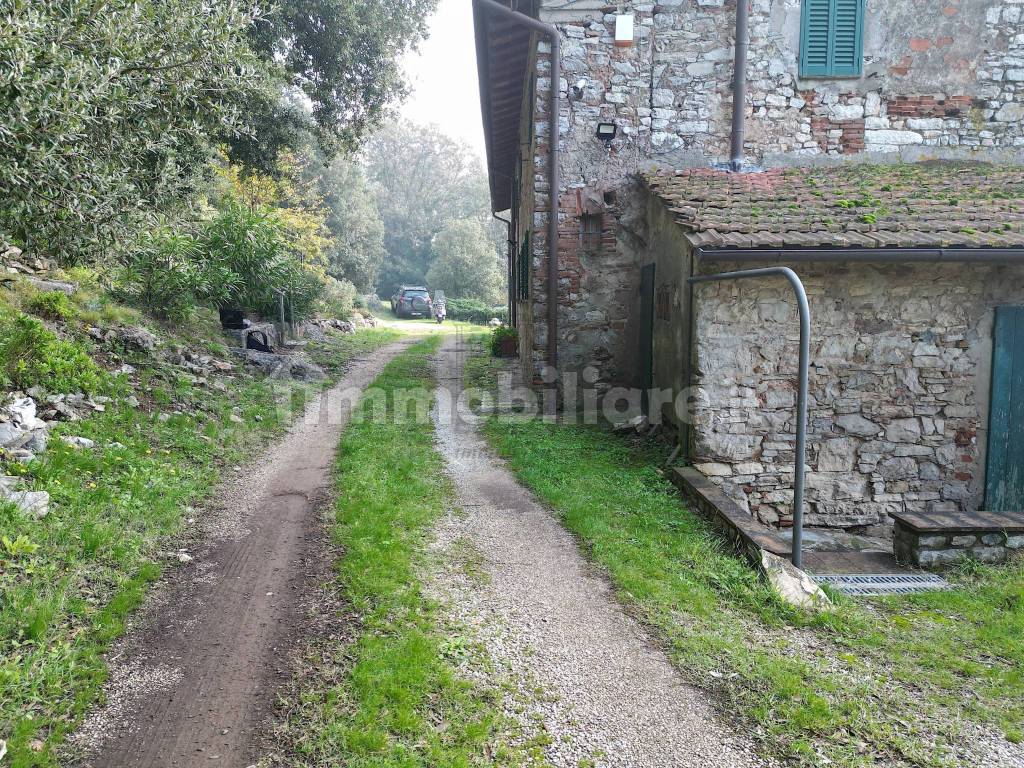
(395, 697)
(68, 582)
(481, 370)
(895, 681)
(339, 350)
(110, 506)
(422, 325)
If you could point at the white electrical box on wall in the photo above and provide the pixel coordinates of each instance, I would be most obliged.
(624, 30)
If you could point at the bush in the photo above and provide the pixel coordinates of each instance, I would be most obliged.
(168, 276)
(473, 311)
(498, 335)
(53, 305)
(251, 243)
(31, 356)
(240, 258)
(338, 299)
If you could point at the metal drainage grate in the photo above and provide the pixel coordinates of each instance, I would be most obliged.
(875, 585)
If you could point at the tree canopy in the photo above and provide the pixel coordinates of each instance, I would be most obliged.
(343, 56)
(465, 263)
(127, 119)
(107, 108)
(357, 252)
(422, 180)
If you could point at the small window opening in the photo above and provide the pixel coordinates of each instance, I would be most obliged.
(591, 231)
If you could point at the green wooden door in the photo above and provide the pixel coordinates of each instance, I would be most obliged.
(1004, 478)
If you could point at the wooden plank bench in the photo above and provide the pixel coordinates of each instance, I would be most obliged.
(940, 539)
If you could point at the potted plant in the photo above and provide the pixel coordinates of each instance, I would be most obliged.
(504, 341)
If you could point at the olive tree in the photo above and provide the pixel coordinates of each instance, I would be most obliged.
(106, 110)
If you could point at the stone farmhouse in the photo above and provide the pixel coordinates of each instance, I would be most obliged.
(876, 147)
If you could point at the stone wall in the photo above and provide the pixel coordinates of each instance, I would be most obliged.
(900, 366)
(937, 73)
(940, 77)
(935, 550)
(601, 221)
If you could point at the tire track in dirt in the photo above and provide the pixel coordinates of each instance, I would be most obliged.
(193, 684)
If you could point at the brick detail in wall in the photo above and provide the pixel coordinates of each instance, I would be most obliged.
(571, 271)
(929, 106)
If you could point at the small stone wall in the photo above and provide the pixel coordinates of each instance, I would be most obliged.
(935, 550)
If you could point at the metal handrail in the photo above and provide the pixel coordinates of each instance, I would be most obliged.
(801, 400)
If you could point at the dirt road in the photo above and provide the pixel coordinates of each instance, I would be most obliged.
(194, 683)
(611, 697)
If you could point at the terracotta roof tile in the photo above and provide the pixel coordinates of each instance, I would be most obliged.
(923, 205)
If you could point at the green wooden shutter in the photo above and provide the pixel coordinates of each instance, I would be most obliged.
(831, 38)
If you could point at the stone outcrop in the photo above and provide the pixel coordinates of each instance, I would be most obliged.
(34, 504)
(283, 366)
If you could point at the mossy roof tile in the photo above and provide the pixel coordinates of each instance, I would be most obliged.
(922, 205)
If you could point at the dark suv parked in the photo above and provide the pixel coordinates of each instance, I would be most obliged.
(411, 301)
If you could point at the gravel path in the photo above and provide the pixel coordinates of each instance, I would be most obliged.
(192, 684)
(610, 696)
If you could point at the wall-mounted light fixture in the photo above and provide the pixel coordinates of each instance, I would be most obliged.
(606, 132)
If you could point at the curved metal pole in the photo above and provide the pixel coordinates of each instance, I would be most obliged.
(801, 400)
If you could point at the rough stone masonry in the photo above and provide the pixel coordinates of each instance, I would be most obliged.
(898, 411)
(940, 78)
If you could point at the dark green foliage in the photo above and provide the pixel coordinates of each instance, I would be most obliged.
(107, 109)
(354, 223)
(31, 356)
(344, 56)
(252, 244)
(473, 311)
(338, 299)
(240, 258)
(498, 335)
(168, 276)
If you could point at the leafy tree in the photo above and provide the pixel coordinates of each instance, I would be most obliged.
(357, 232)
(465, 264)
(422, 179)
(295, 198)
(343, 57)
(107, 106)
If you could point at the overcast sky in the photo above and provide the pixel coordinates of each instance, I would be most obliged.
(443, 76)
